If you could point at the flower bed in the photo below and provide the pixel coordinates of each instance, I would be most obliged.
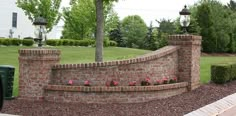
(115, 94)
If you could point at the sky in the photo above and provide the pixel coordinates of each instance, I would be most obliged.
(150, 10)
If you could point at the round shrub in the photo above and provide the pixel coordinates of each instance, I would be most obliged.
(52, 42)
(113, 43)
(16, 42)
(27, 42)
(220, 73)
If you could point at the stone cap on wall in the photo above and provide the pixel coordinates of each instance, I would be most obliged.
(184, 39)
(38, 51)
(153, 55)
(39, 54)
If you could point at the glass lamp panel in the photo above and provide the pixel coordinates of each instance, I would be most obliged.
(184, 20)
(36, 31)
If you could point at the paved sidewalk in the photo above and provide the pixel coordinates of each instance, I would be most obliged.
(222, 107)
(7, 115)
(230, 112)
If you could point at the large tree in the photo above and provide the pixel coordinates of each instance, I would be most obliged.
(100, 28)
(49, 9)
(80, 19)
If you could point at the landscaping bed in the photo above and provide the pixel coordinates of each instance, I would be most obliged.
(173, 106)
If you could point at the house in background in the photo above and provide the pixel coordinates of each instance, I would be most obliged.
(14, 23)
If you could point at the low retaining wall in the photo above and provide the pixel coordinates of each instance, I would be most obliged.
(42, 77)
(119, 94)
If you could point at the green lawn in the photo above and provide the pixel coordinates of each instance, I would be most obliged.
(9, 56)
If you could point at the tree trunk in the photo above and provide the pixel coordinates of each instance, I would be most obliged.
(99, 31)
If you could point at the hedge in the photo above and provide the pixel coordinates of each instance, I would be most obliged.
(52, 42)
(233, 71)
(27, 42)
(16, 42)
(222, 73)
(6, 42)
(84, 42)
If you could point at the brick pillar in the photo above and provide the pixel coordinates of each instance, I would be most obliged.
(188, 57)
(35, 71)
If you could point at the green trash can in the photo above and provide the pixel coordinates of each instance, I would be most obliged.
(7, 75)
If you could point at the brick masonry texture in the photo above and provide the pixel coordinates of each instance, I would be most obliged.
(42, 77)
(162, 64)
(35, 71)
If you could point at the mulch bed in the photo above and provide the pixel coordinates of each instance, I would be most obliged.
(173, 106)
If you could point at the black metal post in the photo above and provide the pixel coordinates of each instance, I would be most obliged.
(40, 37)
(1, 93)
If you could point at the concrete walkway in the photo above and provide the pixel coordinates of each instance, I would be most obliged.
(222, 107)
(7, 115)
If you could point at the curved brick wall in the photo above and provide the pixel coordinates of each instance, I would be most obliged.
(157, 65)
(42, 78)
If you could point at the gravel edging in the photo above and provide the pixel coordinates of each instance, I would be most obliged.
(173, 106)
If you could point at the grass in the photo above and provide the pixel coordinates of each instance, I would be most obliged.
(9, 56)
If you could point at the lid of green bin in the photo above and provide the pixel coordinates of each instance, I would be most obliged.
(6, 66)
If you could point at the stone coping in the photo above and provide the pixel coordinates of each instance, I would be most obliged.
(69, 88)
(216, 108)
(150, 56)
(41, 51)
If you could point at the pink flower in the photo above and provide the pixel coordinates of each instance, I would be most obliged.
(70, 82)
(159, 81)
(133, 83)
(116, 83)
(148, 80)
(175, 78)
(86, 83)
(107, 84)
(165, 79)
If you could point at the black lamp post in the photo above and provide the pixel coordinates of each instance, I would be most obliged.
(185, 18)
(40, 24)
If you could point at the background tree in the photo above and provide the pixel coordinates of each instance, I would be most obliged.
(166, 27)
(116, 35)
(80, 20)
(151, 38)
(49, 9)
(134, 29)
(111, 21)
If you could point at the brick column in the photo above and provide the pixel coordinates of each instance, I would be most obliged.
(35, 71)
(188, 58)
